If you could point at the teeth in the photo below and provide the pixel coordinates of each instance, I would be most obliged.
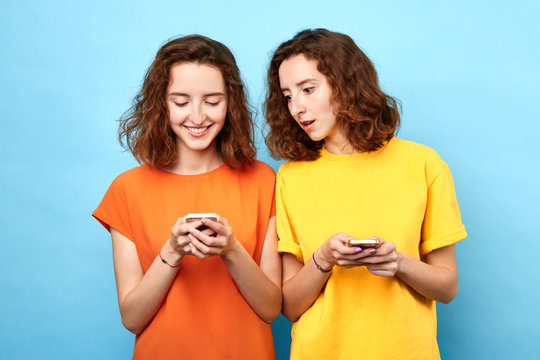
(197, 130)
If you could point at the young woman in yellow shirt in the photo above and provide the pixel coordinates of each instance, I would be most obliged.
(349, 178)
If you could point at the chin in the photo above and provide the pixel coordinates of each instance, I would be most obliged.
(196, 145)
(199, 147)
(316, 138)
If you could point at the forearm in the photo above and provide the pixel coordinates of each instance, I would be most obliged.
(261, 293)
(303, 282)
(140, 305)
(301, 290)
(439, 283)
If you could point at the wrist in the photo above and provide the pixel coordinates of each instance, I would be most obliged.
(321, 264)
(232, 249)
(322, 260)
(400, 263)
(172, 257)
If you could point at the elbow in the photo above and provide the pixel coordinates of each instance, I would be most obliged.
(290, 314)
(290, 308)
(450, 294)
(132, 327)
(130, 320)
(131, 324)
(268, 317)
(271, 312)
(447, 300)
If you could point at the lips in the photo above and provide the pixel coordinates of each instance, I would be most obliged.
(307, 124)
(197, 131)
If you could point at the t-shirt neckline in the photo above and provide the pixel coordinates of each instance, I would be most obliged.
(325, 154)
(213, 172)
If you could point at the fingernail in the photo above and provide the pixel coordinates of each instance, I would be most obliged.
(358, 250)
(372, 251)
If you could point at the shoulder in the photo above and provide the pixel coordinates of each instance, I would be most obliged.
(256, 168)
(411, 147)
(413, 154)
(135, 173)
(263, 169)
(135, 177)
(257, 171)
(407, 149)
(295, 168)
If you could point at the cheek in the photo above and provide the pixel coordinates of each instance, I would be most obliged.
(324, 107)
(176, 115)
(218, 114)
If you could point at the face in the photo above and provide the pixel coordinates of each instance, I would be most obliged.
(197, 104)
(308, 97)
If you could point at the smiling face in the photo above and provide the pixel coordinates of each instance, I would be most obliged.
(197, 104)
(308, 95)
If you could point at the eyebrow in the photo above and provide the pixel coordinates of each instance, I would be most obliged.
(205, 95)
(301, 83)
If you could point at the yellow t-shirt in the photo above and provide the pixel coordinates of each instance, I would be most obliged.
(404, 193)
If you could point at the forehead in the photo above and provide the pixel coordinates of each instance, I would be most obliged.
(196, 77)
(296, 69)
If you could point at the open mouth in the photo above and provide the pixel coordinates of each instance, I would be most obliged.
(307, 124)
(197, 131)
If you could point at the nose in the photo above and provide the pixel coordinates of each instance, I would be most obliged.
(196, 115)
(296, 107)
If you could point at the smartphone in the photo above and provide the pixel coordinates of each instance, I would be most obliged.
(198, 216)
(364, 243)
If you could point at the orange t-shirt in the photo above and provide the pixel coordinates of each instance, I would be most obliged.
(204, 315)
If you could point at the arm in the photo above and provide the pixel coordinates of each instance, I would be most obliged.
(436, 278)
(260, 286)
(140, 294)
(302, 283)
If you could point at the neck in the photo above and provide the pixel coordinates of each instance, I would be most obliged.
(337, 143)
(193, 162)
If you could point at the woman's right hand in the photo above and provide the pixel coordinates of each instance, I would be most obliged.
(335, 251)
(179, 241)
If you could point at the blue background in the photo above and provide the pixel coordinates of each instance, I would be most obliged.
(466, 72)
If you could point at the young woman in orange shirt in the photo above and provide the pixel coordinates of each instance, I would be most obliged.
(206, 288)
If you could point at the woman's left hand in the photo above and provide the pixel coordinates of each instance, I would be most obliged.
(385, 260)
(204, 245)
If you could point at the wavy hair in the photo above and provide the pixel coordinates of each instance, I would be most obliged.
(144, 128)
(367, 116)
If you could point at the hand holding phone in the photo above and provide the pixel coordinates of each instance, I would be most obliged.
(198, 216)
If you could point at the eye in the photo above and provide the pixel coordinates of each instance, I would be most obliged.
(309, 90)
(181, 104)
(212, 103)
(287, 97)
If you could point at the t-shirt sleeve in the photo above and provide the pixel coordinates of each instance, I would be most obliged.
(273, 206)
(273, 209)
(113, 210)
(267, 179)
(287, 241)
(442, 222)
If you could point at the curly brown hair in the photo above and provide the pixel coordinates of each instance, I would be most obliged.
(145, 126)
(367, 116)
